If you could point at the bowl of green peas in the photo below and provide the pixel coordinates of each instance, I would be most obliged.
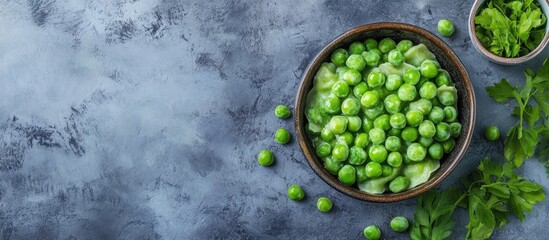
(385, 112)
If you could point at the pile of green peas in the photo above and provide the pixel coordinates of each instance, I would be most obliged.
(381, 115)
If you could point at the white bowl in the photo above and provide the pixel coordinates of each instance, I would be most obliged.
(503, 60)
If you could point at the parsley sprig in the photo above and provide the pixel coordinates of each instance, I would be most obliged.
(522, 139)
(510, 28)
(490, 194)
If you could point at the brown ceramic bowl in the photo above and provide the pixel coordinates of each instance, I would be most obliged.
(448, 60)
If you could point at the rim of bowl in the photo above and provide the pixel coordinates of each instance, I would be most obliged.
(355, 192)
(498, 59)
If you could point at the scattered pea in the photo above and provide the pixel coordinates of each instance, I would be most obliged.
(295, 192)
(324, 204)
(492, 133)
(265, 158)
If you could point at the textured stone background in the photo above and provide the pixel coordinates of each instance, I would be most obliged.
(141, 119)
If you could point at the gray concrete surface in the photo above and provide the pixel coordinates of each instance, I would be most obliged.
(141, 119)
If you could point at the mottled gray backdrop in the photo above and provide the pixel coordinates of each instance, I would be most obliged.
(141, 119)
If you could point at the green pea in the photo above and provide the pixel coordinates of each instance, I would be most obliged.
(392, 103)
(381, 92)
(399, 224)
(339, 56)
(367, 124)
(332, 105)
(295, 192)
(338, 124)
(376, 135)
(411, 76)
(347, 175)
(376, 79)
(282, 136)
(427, 129)
(370, 44)
(397, 121)
(326, 134)
(450, 114)
(448, 145)
(374, 112)
(360, 89)
(357, 156)
(282, 112)
(340, 70)
(324, 204)
(361, 173)
(394, 159)
(373, 170)
(414, 118)
(332, 165)
(456, 129)
(357, 48)
(356, 62)
(386, 45)
(447, 98)
(346, 138)
(436, 115)
(404, 45)
(382, 122)
(351, 76)
(340, 152)
(362, 140)
(416, 152)
(428, 69)
(443, 132)
(445, 27)
(394, 132)
(377, 153)
(324, 149)
(340, 89)
(443, 79)
(407, 92)
(350, 106)
(372, 232)
(492, 133)
(409, 134)
(395, 57)
(436, 151)
(393, 82)
(399, 184)
(371, 58)
(354, 123)
(392, 143)
(428, 90)
(386, 170)
(425, 142)
(369, 99)
(265, 158)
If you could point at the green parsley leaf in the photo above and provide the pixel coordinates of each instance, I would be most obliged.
(502, 91)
